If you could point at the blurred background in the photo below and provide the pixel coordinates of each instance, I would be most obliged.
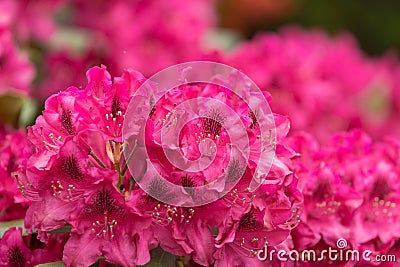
(376, 24)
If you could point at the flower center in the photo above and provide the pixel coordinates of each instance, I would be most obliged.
(16, 257)
(253, 115)
(380, 189)
(107, 210)
(103, 203)
(249, 222)
(66, 122)
(116, 106)
(322, 190)
(71, 168)
(212, 123)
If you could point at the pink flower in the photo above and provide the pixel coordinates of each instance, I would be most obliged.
(267, 221)
(138, 32)
(315, 78)
(77, 173)
(12, 204)
(105, 226)
(16, 71)
(13, 251)
(183, 231)
(60, 179)
(30, 19)
(350, 190)
(209, 129)
(75, 167)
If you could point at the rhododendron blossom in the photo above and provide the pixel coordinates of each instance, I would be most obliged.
(315, 78)
(190, 126)
(72, 175)
(16, 72)
(164, 33)
(14, 250)
(350, 191)
(12, 148)
(81, 174)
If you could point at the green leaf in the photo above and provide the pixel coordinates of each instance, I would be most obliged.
(17, 110)
(52, 264)
(63, 230)
(10, 108)
(161, 258)
(28, 113)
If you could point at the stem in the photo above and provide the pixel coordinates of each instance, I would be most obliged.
(120, 177)
(117, 157)
(179, 261)
(97, 159)
(125, 167)
(63, 230)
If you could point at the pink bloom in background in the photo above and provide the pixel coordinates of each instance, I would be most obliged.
(16, 72)
(12, 204)
(68, 37)
(30, 20)
(139, 32)
(13, 251)
(315, 79)
(65, 68)
(350, 191)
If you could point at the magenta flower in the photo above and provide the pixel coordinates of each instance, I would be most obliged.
(13, 251)
(106, 226)
(149, 32)
(350, 190)
(77, 173)
(268, 220)
(30, 19)
(12, 204)
(16, 71)
(309, 73)
(73, 170)
(60, 180)
(187, 130)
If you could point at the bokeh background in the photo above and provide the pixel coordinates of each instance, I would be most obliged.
(375, 24)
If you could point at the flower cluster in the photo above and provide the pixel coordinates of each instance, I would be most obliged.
(315, 78)
(70, 177)
(350, 190)
(77, 175)
(12, 149)
(16, 72)
(30, 20)
(164, 33)
(16, 250)
(66, 37)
